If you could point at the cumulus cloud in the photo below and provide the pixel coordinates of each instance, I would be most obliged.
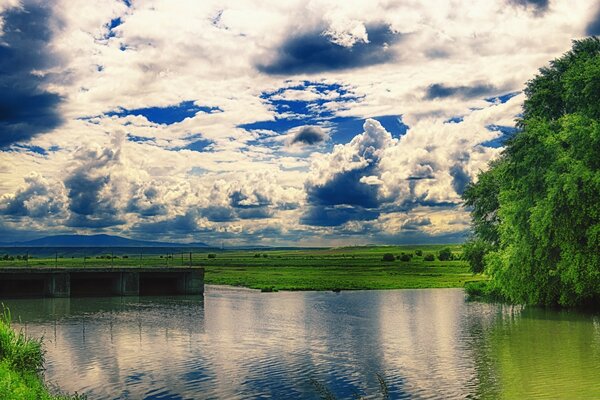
(477, 90)
(27, 107)
(538, 6)
(207, 159)
(319, 50)
(309, 135)
(593, 27)
(39, 198)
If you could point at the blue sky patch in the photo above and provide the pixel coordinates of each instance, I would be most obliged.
(345, 128)
(293, 113)
(200, 145)
(507, 133)
(166, 115)
(503, 98)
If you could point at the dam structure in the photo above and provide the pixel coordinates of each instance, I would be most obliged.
(98, 281)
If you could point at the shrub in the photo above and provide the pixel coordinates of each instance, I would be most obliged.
(265, 255)
(212, 255)
(405, 257)
(419, 253)
(445, 254)
(428, 257)
(388, 257)
(257, 255)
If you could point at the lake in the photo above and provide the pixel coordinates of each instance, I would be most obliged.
(243, 344)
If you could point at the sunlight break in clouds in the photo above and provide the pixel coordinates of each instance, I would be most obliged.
(262, 122)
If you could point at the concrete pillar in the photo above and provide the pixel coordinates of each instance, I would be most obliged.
(127, 284)
(193, 282)
(59, 285)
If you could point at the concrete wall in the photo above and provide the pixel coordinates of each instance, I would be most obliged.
(108, 282)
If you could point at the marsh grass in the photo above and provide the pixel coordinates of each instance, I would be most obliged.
(21, 365)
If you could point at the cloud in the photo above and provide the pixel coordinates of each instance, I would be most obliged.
(593, 27)
(539, 6)
(309, 135)
(340, 186)
(316, 51)
(39, 198)
(93, 197)
(477, 90)
(26, 107)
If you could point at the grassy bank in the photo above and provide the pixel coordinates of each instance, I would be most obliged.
(342, 268)
(21, 363)
(347, 268)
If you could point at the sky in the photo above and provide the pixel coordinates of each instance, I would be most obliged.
(281, 123)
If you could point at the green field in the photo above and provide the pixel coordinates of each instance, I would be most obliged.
(305, 269)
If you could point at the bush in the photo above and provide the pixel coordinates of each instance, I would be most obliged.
(212, 255)
(418, 253)
(428, 257)
(388, 257)
(257, 255)
(445, 254)
(265, 255)
(405, 257)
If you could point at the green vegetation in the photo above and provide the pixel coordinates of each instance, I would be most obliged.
(21, 363)
(535, 212)
(388, 257)
(306, 269)
(336, 269)
(445, 254)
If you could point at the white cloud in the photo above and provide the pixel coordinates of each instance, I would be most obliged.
(164, 52)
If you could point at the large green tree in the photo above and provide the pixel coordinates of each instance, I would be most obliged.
(536, 210)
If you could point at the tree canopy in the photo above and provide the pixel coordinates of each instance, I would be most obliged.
(536, 210)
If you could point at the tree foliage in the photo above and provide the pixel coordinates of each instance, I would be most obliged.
(536, 211)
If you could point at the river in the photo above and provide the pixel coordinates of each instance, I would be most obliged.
(243, 344)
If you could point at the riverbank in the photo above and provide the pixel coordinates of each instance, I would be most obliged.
(21, 364)
(349, 268)
(343, 268)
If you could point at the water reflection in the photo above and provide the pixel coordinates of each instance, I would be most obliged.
(243, 344)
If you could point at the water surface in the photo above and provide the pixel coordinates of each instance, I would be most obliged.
(236, 343)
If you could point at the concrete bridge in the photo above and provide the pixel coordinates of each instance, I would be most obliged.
(67, 282)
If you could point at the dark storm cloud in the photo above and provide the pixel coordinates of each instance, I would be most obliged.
(460, 179)
(343, 198)
(238, 199)
(345, 189)
(593, 28)
(179, 224)
(36, 200)
(218, 214)
(315, 52)
(539, 6)
(335, 216)
(440, 91)
(255, 213)
(86, 186)
(309, 135)
(26, 109)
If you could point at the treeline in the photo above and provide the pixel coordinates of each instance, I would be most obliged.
(536, 210)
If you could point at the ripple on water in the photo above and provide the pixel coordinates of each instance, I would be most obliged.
(246, 345)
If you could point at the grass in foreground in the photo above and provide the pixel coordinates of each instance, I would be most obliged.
(21, 363)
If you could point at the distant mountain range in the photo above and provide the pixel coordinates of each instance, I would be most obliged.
(95, 241)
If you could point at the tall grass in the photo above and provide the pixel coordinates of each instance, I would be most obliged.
(21, 365)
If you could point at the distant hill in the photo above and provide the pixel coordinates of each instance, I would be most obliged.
(96, 241)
